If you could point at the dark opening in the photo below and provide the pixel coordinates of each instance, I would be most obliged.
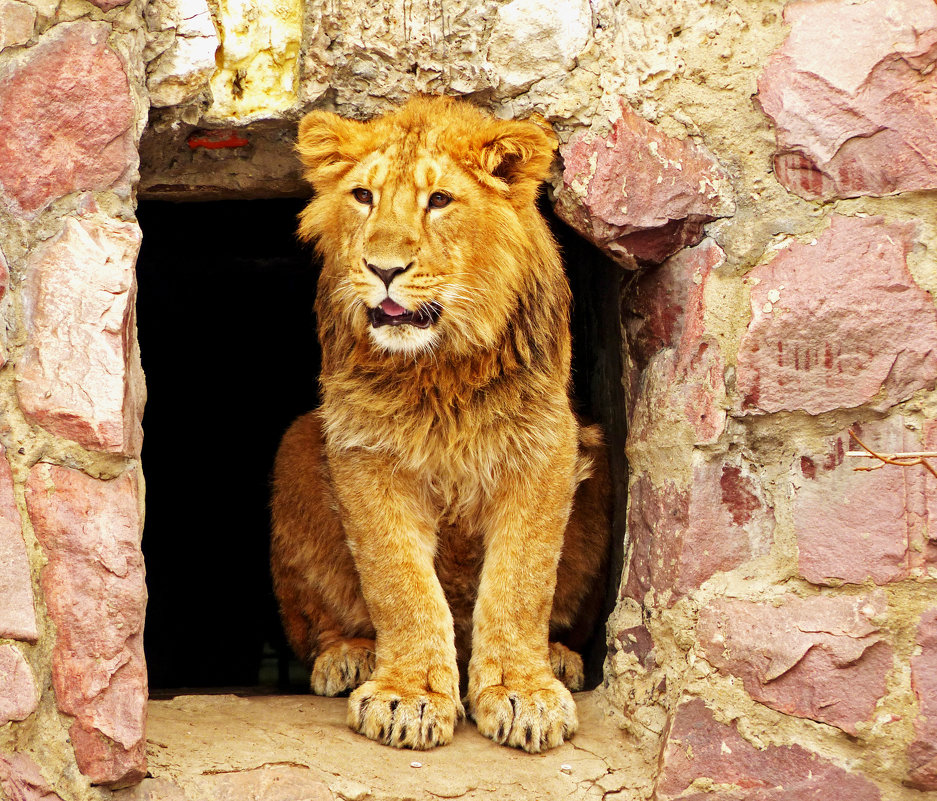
(228, 345)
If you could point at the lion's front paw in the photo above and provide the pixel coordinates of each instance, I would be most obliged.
(567, 666)
(535, 718)
(403, 718)
(342, 666)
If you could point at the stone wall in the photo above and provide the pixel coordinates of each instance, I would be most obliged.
(767, 176)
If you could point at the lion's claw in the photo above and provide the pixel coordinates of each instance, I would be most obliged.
(418, 720)
(340, 667)
(534, 720)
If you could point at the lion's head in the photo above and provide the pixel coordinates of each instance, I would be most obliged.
(427, 224)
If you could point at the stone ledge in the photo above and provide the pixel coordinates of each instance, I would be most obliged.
(298, 748)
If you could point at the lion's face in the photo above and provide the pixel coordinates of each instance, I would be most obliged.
(420, 216)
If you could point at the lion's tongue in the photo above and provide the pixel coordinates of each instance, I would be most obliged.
(391, 308)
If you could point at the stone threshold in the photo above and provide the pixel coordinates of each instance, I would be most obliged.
(298, 748)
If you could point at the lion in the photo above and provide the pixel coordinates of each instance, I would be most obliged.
(443, 507)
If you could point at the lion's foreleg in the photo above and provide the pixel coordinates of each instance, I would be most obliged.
(412, 698)
(514, 695)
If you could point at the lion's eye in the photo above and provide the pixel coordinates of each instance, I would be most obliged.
(363, 195)
(438, 200)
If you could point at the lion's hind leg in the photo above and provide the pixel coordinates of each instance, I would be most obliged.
(567, 666)
(342, 665)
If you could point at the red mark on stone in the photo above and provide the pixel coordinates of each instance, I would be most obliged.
(737, 494)
(828, 357)
(807, 467)
(216, 140)
(780, 354)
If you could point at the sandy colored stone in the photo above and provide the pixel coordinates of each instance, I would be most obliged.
(819, 658)
(637, 193)
(853, 95)
(80, 376)
(65, 118)
(18, 694)
(535, 38)
(186, 42)
(17, 613)
(93, 584)
(705, 760)
(203, 748)
(816, 344)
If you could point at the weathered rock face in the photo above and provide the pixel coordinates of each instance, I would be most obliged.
(638, 194)
(818, 344)
(705, 754)
(682, 538)
(22, 780)
(922, 753)
(16, 23)
(17, 615)
(65, 118)
(18, 694)
(80, 375)
(94, 588)
(818, 658)
(181, 54)
(852, 95)
(855, 526)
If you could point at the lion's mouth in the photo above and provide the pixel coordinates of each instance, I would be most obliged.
(392, 313)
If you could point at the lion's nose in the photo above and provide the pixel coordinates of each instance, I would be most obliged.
(386, 274)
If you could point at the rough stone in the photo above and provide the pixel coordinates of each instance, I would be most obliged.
(922, 753)
(22, 780)
(79, 376)
(637, 193)
(65, 118)
(705, 760)
(94, 588)
(181, 58)
(107, 5)
(684, 367)
(16, 23)
(4, 286)
(854, 526)
(681, 538)
(817, 345)
(818, 658)
(17, 612)
(853, 95)
(532, 39)
(18, 694)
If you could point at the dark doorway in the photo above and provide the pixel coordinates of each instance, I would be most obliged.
(228, 344)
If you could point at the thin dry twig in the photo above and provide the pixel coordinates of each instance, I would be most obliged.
(908, 459)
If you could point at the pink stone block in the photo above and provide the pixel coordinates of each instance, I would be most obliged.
(17, 614)
(700, 748)
(922, 753)
(17, 20)
(18, 694)
(838, 324)
(637, 193)
(22, 780)
(818, 658)
(853, 96)
(80, 376)
(853, 526)
(683, 364)
(94, 589)
(65, 118)
(681, 538)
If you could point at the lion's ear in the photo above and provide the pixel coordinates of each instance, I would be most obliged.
(519, 154)
(327, 141)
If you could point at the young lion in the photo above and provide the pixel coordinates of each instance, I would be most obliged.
(425, 505)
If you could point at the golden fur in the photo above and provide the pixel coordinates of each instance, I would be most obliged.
(425, 505)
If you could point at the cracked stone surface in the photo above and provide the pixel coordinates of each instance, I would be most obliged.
(288, 748)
